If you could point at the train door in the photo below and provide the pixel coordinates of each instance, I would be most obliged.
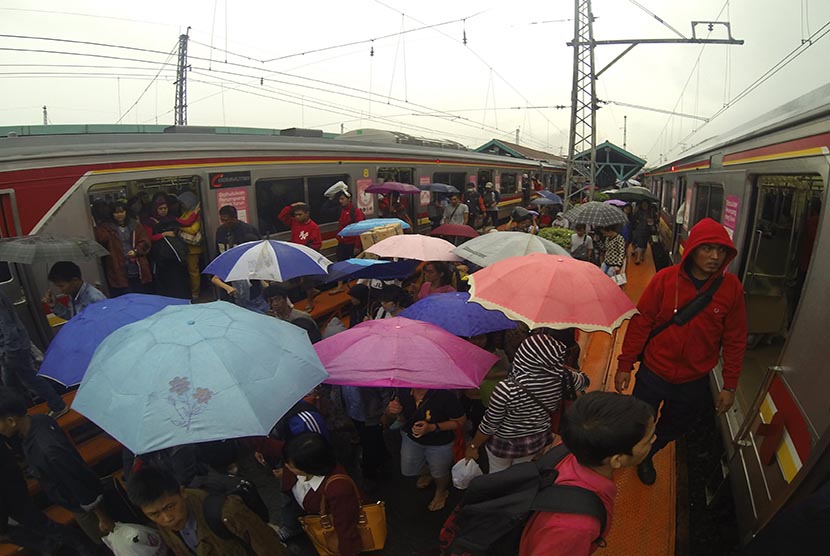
(401, 175)
(678, 216)
(483, 177)
(781, 235)
(15, 280)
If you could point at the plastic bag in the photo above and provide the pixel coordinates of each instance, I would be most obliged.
(465, 471)
(130, 539)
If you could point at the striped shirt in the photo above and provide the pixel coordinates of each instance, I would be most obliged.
(538, 365)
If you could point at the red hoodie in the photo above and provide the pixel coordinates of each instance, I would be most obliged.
(349, 215)
(685, 353)
(307, 233)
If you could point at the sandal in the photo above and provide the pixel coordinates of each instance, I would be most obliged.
(439, 501)
(423, 481)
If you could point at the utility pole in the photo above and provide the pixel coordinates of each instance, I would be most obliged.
(45, 116)
(625, 132)
(180, 106)
(583, 90)
(517, 135)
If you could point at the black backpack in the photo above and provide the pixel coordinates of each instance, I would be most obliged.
(496, 507)
(219, 487)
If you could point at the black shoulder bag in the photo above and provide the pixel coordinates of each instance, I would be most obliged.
(685, 313)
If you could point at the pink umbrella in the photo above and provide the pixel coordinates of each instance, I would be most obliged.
(552, 291)
(400, 352)
(458, 230)
(615, 202)
(415, 246)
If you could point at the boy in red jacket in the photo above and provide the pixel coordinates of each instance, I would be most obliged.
(304, 230)
(677, 361)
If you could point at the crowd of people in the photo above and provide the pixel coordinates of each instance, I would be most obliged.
(308, 453)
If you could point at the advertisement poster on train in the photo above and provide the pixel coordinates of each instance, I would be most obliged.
(730, 214)
(498, 182)
(473, 179)
(237, 198)
(229, 179)
(425, 198)
(364, 200)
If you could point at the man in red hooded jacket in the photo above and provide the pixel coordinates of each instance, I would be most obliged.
(677, 361)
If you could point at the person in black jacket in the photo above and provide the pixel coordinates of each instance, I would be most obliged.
(65, 477)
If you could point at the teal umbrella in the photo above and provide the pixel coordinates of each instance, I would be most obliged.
(196, 373)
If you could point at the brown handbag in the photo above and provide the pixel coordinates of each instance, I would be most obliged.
(371, 524)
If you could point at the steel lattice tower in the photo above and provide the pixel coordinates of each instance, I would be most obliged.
(180, 107)
(583, 101)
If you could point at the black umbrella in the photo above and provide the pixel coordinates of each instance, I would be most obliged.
(596, 214)
(633, 194)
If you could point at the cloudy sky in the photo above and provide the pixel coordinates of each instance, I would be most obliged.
(279, 64)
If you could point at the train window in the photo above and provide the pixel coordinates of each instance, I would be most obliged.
(5, 273)
(666, 197)
(271, 196)
(324, 211)
(508, 183)
(484, 176)
(456, 179)
(140, 194)
(401, 175)
(708, 202)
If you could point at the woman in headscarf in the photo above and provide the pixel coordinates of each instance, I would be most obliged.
(127, 268)
(359, 308)
(169, 253)
(191, 233)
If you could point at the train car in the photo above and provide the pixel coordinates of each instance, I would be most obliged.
(49, 181)
(766, 183)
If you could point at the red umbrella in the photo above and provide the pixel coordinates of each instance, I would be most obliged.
(390, 186)
(458, 230)
(552, 291)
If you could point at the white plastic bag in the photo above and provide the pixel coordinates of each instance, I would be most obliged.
(130, 539)
(465, 471)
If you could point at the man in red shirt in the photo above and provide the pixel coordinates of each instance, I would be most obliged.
(604, 432)
(304, 230)
(349, 214)
(676, 361)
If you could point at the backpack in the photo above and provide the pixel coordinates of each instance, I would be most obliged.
(496, 507)
(219, 487)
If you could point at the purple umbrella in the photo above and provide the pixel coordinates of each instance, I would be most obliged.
(616, 202)
(454, 313)
(390, 186)
(400, 352)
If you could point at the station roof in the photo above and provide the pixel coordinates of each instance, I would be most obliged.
(614, 164)
(503, 148)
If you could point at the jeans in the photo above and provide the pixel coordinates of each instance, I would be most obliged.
(609, 271)
(18, 369)
(414, 456)
(683, 404)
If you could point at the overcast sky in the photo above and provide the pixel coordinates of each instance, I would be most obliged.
(425, 82)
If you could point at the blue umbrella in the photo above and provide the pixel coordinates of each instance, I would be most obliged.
(454, 313)
(550, 195)
(268, 259)
(196, 373)
(439, 188)
(358, 228)
(352, 269)
(70, 352)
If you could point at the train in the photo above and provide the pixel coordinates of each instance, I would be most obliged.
(766, 182)
(51, 175)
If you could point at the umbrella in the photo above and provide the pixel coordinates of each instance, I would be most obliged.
(267, 259)
(634, 193)
(496, 246)
(550, 291)
(196, 373)
(351, 269)
(390, 186)
(595, 213)
(47, 249)
(453, 313)
(615, 202)
(399, 352)
(458, 230)
(550, 195)
(439, 188)
(415, 246)
(628, 183)
(357, 228)
(70, 352)
(543, 201)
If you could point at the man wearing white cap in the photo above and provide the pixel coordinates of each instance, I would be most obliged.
(491, 205)
(349, 214)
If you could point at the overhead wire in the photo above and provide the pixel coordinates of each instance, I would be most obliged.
(150, 84)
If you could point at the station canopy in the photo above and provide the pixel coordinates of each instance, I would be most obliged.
(614, 164)
(503, 148)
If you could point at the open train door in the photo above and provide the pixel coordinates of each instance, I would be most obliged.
(779, 406)
(15, 279)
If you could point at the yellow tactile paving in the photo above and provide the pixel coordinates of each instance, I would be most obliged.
(644, 518)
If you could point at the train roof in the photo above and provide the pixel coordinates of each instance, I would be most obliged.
(151, 141)
(722, 133)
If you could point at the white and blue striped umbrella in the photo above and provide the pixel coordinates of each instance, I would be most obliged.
(268, 259)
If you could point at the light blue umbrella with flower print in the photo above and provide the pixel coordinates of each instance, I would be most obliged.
(196, 373)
